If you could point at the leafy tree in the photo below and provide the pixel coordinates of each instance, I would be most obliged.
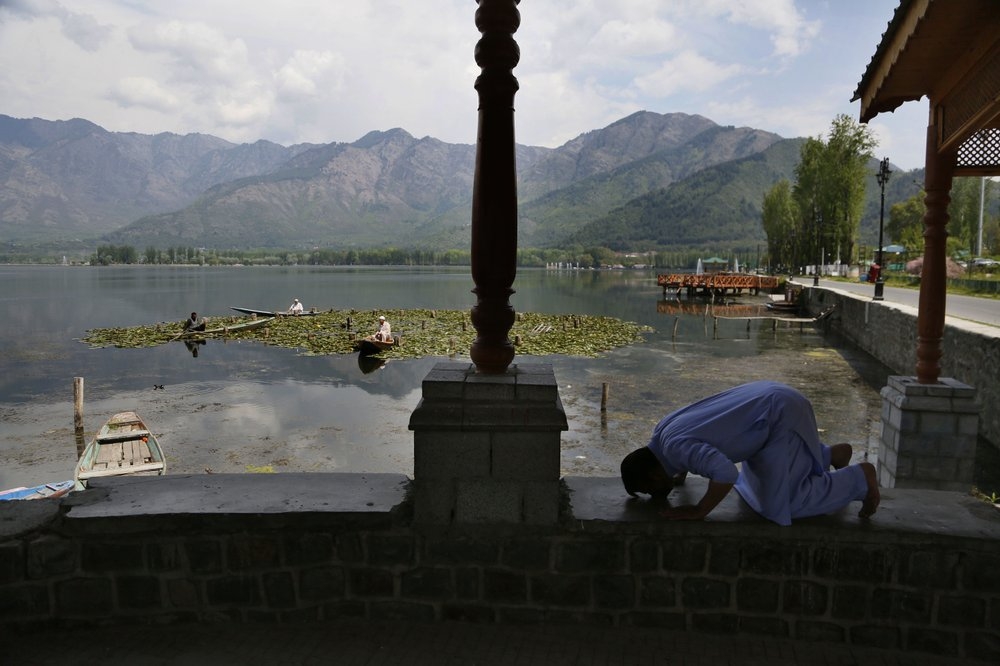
(968, 197)
(780, 216)
(829, 190)
(906, 222)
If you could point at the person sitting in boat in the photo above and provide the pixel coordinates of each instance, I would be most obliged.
(384, 331)
(296, 307)
(192, 323)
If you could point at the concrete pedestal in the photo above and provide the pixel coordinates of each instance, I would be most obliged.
(929, 434)
(486, 447)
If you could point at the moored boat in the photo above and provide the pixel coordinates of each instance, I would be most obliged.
(124, 446)
(783, 306)
(41, 491)
(273, 313)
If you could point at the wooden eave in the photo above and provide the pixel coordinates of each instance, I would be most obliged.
(947, 50)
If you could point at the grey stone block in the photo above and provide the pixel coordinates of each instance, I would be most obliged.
(485, 501)
(451, 454)
(434, 502)
(437, 415)
(540, 502)
(490, 387)
(532, 456)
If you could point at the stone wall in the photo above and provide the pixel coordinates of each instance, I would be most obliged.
(888, 331)
(827, 579)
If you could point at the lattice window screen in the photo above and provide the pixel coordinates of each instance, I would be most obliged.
(981, 150)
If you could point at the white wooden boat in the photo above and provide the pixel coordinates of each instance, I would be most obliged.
(124, 446)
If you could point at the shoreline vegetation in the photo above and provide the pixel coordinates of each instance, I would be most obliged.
(421, 332)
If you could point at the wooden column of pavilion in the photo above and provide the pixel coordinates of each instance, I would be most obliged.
(486, 434)
(949, 52)
(494, 193)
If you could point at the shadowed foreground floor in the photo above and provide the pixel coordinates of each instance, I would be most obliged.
(357, 642)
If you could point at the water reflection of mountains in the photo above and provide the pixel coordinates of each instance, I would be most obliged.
(675, 306)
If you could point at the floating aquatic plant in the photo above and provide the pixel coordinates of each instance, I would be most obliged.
(421, 332)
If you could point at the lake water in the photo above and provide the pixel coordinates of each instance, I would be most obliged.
(242, 406)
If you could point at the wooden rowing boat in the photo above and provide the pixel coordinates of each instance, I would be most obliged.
(124, 446)
(42, 491)
(783, 306)
(272, 313)
(226, 330)
(369, 346)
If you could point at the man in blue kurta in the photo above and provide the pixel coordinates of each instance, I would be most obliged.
(769, 428)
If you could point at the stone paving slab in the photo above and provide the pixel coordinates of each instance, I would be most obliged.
(372, 643)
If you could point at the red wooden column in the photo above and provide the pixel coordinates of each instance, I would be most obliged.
(934, 279)
(494, 194)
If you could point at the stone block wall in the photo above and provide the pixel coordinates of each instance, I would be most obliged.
(907, 592)
(970, 352)
(486, 447)
(929, 435)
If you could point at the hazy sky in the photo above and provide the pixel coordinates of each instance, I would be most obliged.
(331, 70)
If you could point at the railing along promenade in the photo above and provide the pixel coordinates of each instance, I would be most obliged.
(717, 283)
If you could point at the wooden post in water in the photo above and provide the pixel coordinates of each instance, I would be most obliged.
(604, 397)
(78, 415)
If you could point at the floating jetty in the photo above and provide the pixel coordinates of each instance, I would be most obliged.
(717, 284)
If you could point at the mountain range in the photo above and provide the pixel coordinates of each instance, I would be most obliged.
(647, 181)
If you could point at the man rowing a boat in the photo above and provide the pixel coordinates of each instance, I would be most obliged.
(296, 307)
(384, 331)
(192, 323)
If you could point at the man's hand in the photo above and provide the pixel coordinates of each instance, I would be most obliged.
(687, 512)
(715, 493)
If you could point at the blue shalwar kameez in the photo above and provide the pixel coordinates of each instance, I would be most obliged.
(770, 428)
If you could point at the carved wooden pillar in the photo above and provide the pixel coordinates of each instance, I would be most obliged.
(934, 278)
(494, 194)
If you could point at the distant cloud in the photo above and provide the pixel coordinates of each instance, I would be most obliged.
(687, 71)
(635, 39)
(140, 91)
(82, 29)
(301, 75)
(788, 30)
(194, 49)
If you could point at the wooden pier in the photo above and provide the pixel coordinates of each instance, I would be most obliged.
(717, 284)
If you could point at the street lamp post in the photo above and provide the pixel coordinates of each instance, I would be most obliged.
(882, 177)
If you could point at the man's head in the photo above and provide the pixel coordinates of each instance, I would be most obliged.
(381, 318)
(643, 473)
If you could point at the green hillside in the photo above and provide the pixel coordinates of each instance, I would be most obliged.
(718, 207)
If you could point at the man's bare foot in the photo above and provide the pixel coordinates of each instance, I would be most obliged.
(840, 455)
(870, 503)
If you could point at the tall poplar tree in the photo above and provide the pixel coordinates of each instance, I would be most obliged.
(780, 216)
(829, 193)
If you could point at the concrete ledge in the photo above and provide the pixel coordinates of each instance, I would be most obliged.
(941, 514)
(137, 504)
(933, 513)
